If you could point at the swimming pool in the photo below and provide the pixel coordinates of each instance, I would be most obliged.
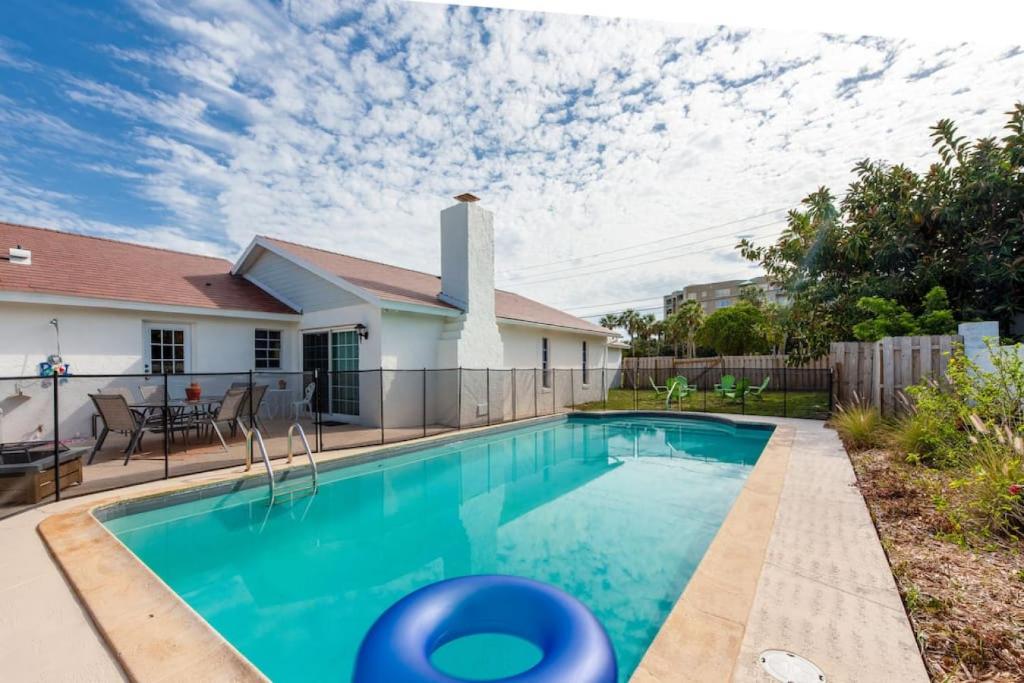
(618, 511)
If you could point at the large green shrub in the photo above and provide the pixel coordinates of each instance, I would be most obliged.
(994, 483)
(933, 432)
(734, 330)
(889, 319)
(974, 423)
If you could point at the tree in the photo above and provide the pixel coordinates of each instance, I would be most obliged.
(631, 321)
(897, 233)
(890, 319)
(774, 327)
(683, 325)
(734, 330)
(610, 321)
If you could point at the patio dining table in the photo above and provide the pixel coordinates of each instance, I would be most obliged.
(175, 406)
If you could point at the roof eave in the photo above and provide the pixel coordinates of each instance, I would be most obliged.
(562, 328)
(55, 299)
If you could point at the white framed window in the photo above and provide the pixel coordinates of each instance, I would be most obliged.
(586, 371)
(544, 363)
(267, 350)
(167, 349)
(723, 303)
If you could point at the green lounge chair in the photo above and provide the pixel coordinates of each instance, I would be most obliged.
(678, 388)
(757, 391)
(728, 384)
(683, 388)
(658, 391)
(738, 391)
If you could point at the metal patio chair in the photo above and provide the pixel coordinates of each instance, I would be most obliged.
(228, 412)
(306, 404)
(119, 417)
(259, 392)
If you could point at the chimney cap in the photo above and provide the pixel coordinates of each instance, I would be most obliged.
(466, 197)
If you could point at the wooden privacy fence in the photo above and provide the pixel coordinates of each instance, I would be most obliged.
(780, 377)
(766, 362)
(878, 372)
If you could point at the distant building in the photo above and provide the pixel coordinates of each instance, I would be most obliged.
(715, 295)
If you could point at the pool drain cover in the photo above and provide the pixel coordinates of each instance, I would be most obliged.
(790, 668)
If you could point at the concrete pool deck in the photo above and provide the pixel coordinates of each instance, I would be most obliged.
(796, 566)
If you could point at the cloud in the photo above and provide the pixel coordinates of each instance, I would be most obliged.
(350, 125)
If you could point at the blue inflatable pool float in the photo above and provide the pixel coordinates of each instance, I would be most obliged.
(399, 645)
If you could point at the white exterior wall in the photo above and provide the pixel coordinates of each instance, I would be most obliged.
(522, 344)
(98, 341)
(522, 350)
(410, 343)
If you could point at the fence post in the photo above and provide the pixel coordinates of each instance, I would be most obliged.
(536, 394)
(252, 420)
(167, 457)
(515, 388)
(488, 394)
(785, 392)
(572, 388)
(831, 405)
(424, 401)
(56, 435)
(459, 423)
(604, 386)
(743, 396)
(634, 386)
(381, 387)
(317, 427)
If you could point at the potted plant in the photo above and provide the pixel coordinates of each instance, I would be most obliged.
(193, 391)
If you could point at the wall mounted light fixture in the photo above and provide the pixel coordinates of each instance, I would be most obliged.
(363, 331)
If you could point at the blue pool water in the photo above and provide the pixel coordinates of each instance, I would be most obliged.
(616, 511)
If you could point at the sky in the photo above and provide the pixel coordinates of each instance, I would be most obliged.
(623, 158)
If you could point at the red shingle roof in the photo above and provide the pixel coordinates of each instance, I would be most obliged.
(77, 265)
(393, 283)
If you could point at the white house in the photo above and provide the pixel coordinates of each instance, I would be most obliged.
(117, 308)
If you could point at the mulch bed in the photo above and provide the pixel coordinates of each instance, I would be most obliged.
(965, 598)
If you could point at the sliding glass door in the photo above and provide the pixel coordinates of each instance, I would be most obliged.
(335, 354)
(345, 373)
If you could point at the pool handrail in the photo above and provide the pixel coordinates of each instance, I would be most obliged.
(309, 452)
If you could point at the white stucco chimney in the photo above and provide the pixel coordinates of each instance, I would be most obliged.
(467, 282)
(467, 255)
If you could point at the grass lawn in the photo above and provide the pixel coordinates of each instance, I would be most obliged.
(808, 404)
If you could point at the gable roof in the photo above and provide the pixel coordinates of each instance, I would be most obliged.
(75, 265)
(394, 283)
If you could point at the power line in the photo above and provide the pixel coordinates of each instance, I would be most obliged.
(737, 276)
(608, 303)
(644, 244)
(664, 250)
(628, 265)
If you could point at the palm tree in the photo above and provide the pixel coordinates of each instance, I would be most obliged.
(685, 324)
(631, 321)
(610, 321)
